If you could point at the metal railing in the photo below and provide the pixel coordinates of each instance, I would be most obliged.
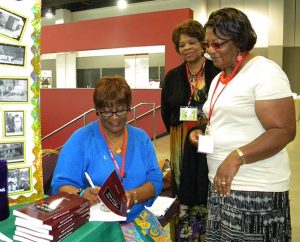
(135, 118)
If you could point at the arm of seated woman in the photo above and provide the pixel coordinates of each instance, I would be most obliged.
(140, 194)
(88, 193)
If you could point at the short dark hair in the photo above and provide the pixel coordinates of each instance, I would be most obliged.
(112, 91)
(231, 23)
(189, 27)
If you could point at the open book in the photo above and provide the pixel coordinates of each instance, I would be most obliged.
(113, 205)
(161, 206)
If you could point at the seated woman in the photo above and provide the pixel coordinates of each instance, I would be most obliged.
(110, 144)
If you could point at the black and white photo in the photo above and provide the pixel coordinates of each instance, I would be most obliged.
(14, 123)
(19, 180)
(12, 54)
(13, 90)
(12, 152)
(12, 25)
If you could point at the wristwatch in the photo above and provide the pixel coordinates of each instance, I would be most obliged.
(79, 191)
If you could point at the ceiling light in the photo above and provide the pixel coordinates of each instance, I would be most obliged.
(122, 4)
(49, 14)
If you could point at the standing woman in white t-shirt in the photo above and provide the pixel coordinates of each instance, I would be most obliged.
(251, 120)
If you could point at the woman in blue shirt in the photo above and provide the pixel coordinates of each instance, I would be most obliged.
(110, 144)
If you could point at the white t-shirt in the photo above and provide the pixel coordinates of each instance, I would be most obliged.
(234, 124)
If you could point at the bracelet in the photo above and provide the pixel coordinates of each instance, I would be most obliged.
(241, 156)
(135, 201)
(82, 192)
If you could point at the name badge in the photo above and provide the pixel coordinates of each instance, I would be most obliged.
(206, 144)
(188, 114)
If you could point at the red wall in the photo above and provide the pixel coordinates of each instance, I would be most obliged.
(59, 106)
(145, 29)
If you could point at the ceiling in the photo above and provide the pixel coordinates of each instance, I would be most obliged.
(80, 5)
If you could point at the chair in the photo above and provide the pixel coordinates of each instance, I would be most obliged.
(49, 159)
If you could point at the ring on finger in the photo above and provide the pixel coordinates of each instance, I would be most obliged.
(223, 183)
(91, 190)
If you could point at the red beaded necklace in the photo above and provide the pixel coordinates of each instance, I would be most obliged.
(225, 79)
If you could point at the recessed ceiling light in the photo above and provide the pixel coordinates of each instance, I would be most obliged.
(49, 14)
(122, 4)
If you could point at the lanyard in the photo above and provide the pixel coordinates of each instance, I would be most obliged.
(193, 88)
(124, 149)
(226, 81)
(212, 105)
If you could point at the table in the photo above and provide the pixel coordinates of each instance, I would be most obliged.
(91, 231)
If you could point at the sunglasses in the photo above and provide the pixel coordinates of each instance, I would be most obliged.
(215, 45)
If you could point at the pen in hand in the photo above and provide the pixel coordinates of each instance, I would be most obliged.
(89, 180)
(91, 183)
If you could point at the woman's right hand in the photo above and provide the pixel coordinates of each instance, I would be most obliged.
(194, 137)
(91, 194)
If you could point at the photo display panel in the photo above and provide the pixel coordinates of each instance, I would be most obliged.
(20, 141)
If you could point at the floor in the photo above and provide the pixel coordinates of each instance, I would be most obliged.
(162, 149)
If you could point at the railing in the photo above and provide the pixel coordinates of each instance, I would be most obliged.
(70, 122)
(154, 117)
(84, 116)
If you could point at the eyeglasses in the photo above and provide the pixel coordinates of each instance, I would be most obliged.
(118, 113)
(215, 45)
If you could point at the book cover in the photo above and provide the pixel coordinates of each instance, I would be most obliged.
(48, 209)
(113, 196)
(56, 236)
(73, 218)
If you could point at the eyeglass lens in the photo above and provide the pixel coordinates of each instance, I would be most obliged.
(118, 113)
(215, 45)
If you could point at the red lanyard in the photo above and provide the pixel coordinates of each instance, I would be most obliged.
(232, 74)
(212, 105)
(124, 149)
(193, 88)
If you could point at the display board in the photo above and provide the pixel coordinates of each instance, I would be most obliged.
(20, 136)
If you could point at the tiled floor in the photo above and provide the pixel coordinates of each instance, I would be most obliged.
(162, 150)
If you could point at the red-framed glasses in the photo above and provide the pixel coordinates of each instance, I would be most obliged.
(215, 45)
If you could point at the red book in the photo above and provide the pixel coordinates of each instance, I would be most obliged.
(49, 209)
(112, 194)
(56, 236)
(57, 224)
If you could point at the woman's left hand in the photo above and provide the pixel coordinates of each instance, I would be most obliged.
(225, 174)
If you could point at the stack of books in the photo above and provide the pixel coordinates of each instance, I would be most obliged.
(52, 218)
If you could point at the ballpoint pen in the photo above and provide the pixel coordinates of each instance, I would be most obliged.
(102, 205)
(89, 179)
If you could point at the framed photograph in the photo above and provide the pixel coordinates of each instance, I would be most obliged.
(12, 25)
(12, 54)
(13, 90)
(12, 152)
(14, 123)
(19, 180)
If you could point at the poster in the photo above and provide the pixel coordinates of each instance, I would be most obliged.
(20, 141)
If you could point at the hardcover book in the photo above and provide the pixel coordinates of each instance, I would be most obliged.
(56, 236)
(49, 209)
(58, 226)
